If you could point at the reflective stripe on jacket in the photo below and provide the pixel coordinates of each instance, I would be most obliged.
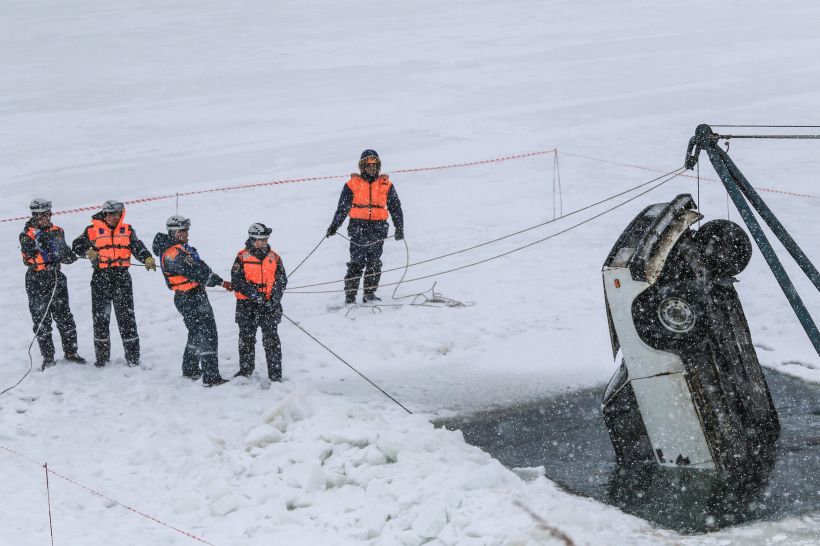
(177, 283)
(260, 273)
(36, 262)
(369, 199)
(113, 245)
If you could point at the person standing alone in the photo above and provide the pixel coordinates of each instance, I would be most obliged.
(109, 243)
(367, 198)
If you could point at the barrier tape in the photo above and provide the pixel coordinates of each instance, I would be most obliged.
(109, 499)
(410, 170)
(769, 190)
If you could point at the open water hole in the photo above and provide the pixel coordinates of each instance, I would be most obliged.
(566, 435)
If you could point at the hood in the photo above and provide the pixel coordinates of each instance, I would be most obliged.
(99, 217)
(162, 242)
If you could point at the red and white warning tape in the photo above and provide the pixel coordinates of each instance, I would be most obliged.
(109, 499)
(410, 170)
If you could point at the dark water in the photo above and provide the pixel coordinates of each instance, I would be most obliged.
(566, 436)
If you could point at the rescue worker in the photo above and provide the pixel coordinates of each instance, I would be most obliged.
(259, 280)
(44, 249)
(187, 275)
(366, 199)
(109, 243)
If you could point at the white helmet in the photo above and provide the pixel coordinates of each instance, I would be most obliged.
(113, 206)
(40, 204)
(259, 231)
(177, 223)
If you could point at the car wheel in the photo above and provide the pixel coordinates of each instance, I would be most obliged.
(672, 317)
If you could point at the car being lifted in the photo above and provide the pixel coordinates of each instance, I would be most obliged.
(688, 390)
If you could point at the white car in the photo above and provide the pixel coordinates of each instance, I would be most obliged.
(688, 390)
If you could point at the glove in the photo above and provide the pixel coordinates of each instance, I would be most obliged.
(331, 231)
(399, 234)
(92, 254)
(227, 286)
(150, 264)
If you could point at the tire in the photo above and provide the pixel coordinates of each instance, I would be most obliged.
(672, 317)
(724, 247)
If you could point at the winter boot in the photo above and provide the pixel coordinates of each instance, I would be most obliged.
(46, 346)
(354, 272)
(102, 351)
(74, 357)
(370, 296)
(372, 276)
(48, 361)
(243, 372)
(214, 382)
(132, 352)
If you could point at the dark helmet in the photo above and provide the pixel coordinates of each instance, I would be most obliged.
(112, 206)
(259, 231)
(39, 205)
(177, 223)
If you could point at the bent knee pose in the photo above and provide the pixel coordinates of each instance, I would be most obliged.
(187, 275)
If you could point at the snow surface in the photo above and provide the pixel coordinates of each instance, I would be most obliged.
(139, 98)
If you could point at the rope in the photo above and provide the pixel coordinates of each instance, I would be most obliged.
(435, 297)
(288, 181)
(767, 190)
(480, 162)
(544, 525)
(503, 237)
(788, 137)
(36, 333)
(671, 176)
(295, 269)
(176, 195)
(699, 208)
(346, 363)
(773, 126)
(48, 496)
(556, 181)
(109, 499)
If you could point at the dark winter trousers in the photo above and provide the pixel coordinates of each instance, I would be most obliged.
(366, 245)
(251, 316)
(39, 287)
(113, 286)
(203, 343)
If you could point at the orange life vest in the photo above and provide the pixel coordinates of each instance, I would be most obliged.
(113, 245)
(36, 262)
(260, 273)
(369, 199)
(177, 283)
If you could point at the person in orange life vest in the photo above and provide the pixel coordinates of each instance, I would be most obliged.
(367, 198)
(44, 248)
(109, 243)
(259, 280)
(187, 275)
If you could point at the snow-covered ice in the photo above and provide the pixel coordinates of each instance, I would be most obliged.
(140, 98)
